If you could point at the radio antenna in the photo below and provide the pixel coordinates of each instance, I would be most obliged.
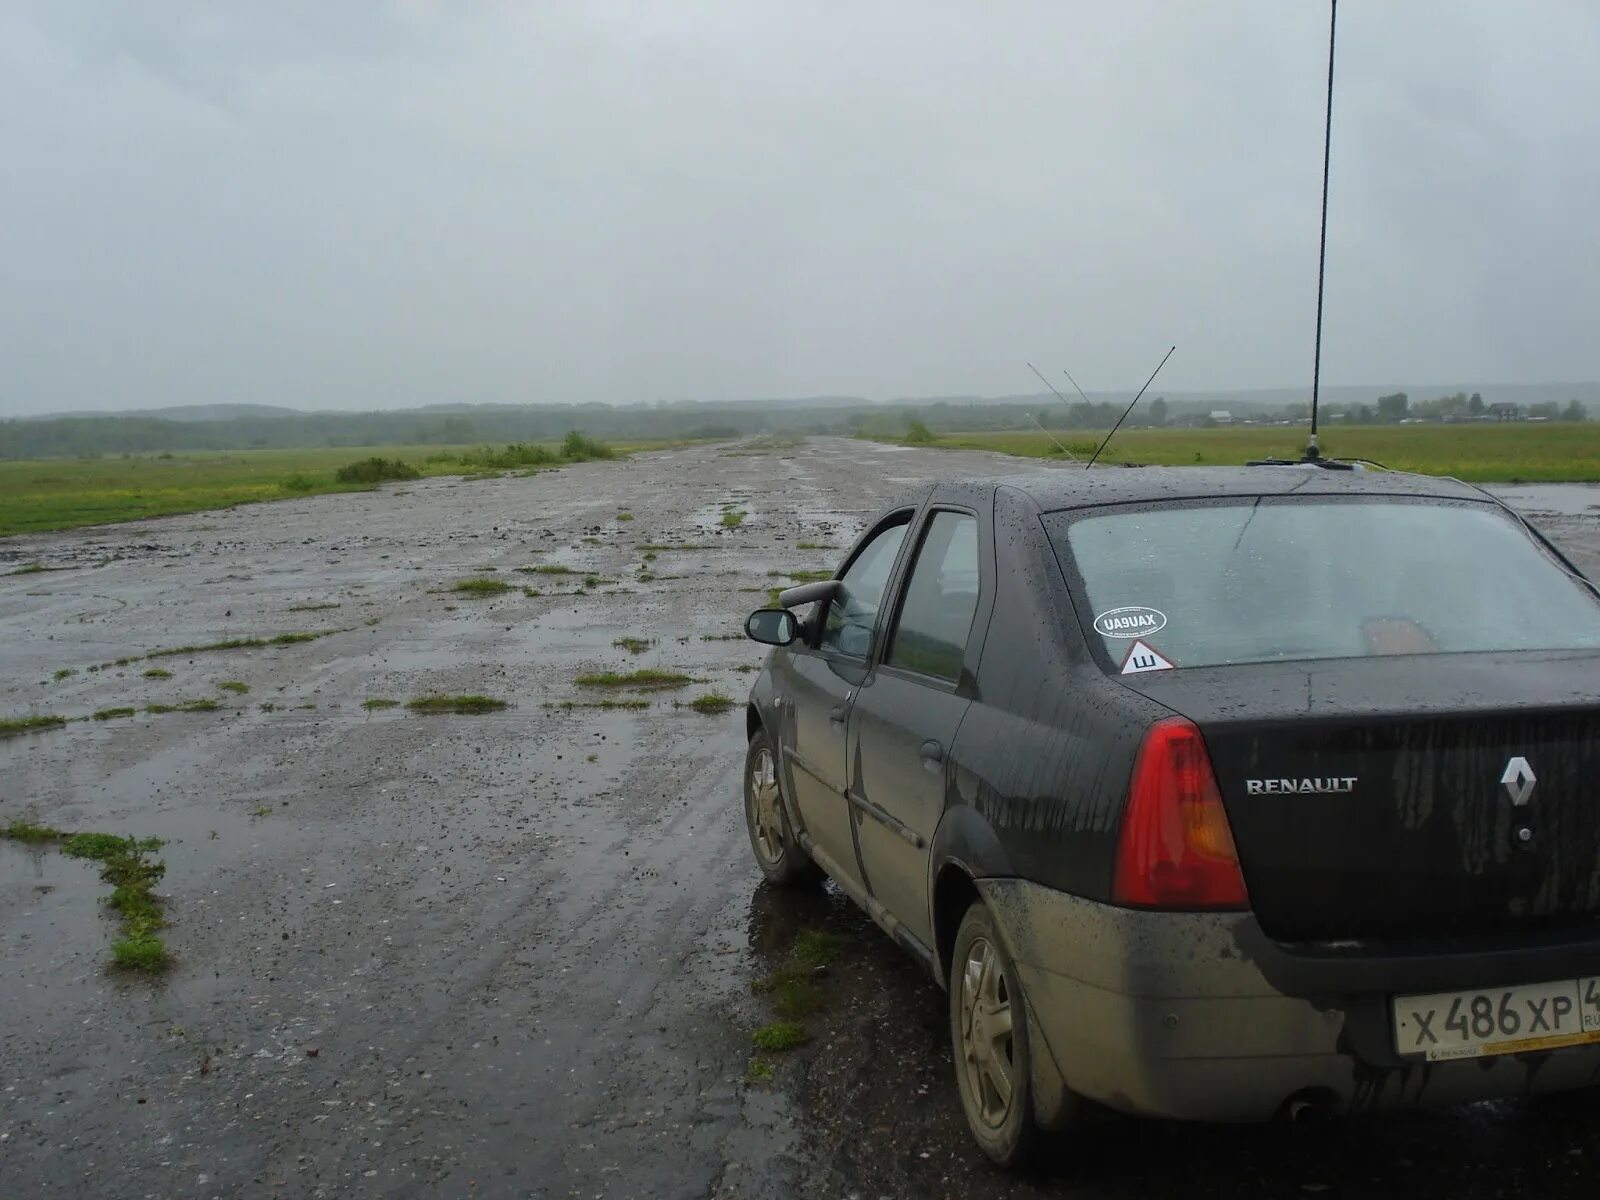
(1074, 383)
(1131, 403)
(1051, 436)
(1050, 385)
(1312, 453)
(1063, 400)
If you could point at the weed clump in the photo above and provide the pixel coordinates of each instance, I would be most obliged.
(633, 645)
(648, 677)
(158, 673)
(64, 673)
(732, 518)
(481, 587)
(376, 470)
(280, 639)
(378, 703)
(575, 447)
(11, 726)
(455, 704)
(569, 705)
(780, 1036)
(111, 714)
(187, 706)
(27, 832)
(711, 703)
(236, 686)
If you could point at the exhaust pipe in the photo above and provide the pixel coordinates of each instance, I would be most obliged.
(1304, 1108)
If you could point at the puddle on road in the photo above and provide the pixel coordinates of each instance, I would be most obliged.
(55, 938)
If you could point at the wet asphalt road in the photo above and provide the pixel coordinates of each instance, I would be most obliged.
(512, 954)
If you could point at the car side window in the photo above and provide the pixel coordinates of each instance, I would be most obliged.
(847, 625)
(941, 597)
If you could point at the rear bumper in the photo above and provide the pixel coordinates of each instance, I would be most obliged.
(1178, 1015)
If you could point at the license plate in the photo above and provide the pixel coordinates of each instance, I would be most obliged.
(1475, 1024)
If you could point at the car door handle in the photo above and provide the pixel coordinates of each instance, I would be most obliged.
(837, 713)
(932, 752)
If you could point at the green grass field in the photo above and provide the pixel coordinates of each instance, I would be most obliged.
(1483, 453)
(43, 494)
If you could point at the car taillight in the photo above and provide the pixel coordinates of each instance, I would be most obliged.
(1176, 850)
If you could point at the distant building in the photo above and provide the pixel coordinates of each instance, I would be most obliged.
(1221, 416)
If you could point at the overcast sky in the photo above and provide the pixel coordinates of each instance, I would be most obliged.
(358, 205)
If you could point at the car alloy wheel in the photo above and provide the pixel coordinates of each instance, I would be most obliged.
(988, 1049)
(766, 808)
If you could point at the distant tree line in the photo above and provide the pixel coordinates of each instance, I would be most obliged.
(75, 437)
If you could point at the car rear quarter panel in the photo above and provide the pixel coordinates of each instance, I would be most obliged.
(1043, 758)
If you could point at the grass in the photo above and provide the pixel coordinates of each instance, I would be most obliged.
(379, 703)
(1490, 452)
(42, 494)
(33, 568)
(657, 547)
(732, 518)
(780, 1036)
(481, 587)
(759, 1071)
(311, 607)
(604, 704)
(794, 988)
(546, 569)
(63, 673)
(465, 704)
(158, 673)
(804, 576)
(126, 864)
(367, 470)
(633, 645)
(624, 516)
(711, 703)
(236, 686)
(648, 677)
(814, 546)
(186, 706)
(277, 639)
(111, 714)
(12, 726)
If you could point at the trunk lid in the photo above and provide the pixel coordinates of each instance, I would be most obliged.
(1377, 798)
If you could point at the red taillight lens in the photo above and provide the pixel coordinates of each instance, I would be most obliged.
(1176, 850)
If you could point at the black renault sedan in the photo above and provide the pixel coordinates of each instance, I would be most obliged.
(1219, 794)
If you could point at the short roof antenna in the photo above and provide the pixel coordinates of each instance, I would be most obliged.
(1312, 453)
(1131, 403)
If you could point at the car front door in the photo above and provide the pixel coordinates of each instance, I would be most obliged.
(820, 685)
(906, 714)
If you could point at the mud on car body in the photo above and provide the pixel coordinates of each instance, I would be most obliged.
(1216, 794)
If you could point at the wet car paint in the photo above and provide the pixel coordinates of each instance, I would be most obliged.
(580, 1025)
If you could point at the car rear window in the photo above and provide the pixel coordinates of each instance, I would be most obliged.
(1163, 586)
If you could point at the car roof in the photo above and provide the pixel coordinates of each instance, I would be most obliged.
(1066, 487)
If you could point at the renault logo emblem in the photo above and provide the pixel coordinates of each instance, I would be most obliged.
(1518, 781)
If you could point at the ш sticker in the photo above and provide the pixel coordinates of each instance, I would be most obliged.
(1142, 658)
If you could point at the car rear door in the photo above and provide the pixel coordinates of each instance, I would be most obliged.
(817, 687)
(906, 713)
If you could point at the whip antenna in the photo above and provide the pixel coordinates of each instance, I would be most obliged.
(1312, 453)
(1131, 403)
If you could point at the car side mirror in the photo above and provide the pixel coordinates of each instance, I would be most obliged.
(772, 626)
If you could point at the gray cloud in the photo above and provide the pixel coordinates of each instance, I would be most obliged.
(351, 206)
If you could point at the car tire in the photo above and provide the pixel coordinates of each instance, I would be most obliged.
(779, 855)
(989, 1035)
